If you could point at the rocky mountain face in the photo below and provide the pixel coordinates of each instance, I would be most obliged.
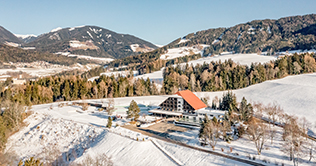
(289, 33)
(91, 41)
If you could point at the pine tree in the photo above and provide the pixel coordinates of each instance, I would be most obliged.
(245, 110)
(229, 102)
(133, 111)
(203, 124)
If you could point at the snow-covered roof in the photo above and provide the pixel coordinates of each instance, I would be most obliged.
(165, 112)
(176, 96)
(210, 111)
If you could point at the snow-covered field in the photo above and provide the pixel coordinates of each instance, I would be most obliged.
(43, 72)
(243, 148)
(243, 59)
(183, 51)
(295, 94)
(154, 75)
(104, 60)
(53, 130)
(35, 71)
(297, 51)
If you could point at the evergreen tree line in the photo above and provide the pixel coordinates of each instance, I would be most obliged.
(52, 89)
(219, 76)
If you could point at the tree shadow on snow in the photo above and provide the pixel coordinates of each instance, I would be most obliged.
(79, 149)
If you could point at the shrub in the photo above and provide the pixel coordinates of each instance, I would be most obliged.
(109, 125)
(31, 162)
(85, 106)
(241, 131)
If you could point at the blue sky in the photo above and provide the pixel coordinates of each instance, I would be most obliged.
(159, 22)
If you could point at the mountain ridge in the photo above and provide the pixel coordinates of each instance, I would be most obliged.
(92, 41)
(268, 35)
(26, 38)
(8, 37)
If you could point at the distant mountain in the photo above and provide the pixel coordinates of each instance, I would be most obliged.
(91, 41)
(26, 38)
(6, 37)
(289, 33)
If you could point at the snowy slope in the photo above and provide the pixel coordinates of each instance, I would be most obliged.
(43, 72)
(183, 51)
(295, 94)
(271, 153)
(104, 60)
(243, 59)
(125, 151)
(25, 36)
(77, 134)
(56, 29)
(153, 75)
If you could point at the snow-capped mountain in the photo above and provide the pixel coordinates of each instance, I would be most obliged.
(26, 38)
(92, 41)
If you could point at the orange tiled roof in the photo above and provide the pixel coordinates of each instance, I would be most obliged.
(192, 99)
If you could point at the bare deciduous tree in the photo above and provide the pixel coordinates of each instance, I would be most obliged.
(258, 109)
(293, 139)
(100, 160)
(257, 132)
(273, 111)
(110, 106)
(211, 133)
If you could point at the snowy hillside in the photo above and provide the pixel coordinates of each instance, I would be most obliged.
(78, 134)
(183, 51)
(271, 154)
(243, 59)
(295, 94)
(51, 69)
(54, 129)
(98, 59)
